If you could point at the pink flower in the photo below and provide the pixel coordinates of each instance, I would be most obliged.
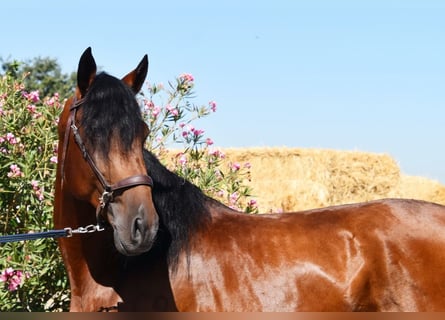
(6, 274)
(209, 141)
(156, 111)
(198, 132)
(182, 159)
(37, 190)
(187, 77)
(31, 108)
(39, 194)
(217, 153)
(252, 203)
(53, 100)
(172, 110)
(35, 185)
(32, 96)
(235, 166)
(212, 105)
(15, 171)
(53, 159)
(190, 130)
(247, 165)
(50, 102)
(12, 278)
(149, 105)
(11, 138)
(234, 197)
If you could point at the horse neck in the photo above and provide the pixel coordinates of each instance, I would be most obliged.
(183, 243)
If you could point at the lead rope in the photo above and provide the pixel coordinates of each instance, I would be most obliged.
(104, 200)
(60, 233)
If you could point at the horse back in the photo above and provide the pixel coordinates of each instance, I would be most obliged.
(385, 255)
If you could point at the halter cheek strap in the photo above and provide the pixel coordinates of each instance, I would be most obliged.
(110, 191)
(74, 105)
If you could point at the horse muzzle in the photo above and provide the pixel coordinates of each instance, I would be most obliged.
(134, 230)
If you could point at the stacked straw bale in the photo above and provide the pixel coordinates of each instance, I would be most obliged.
(291, 179)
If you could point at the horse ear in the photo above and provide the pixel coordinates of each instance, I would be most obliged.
(86, 71)
(135, 79)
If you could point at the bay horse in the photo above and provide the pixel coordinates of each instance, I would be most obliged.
(382, 255)
(102, 180)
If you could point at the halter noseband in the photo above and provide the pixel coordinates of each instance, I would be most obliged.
(109, 190)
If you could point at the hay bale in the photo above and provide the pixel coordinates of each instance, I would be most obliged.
(289, 179)
(292, 179)
(413, 187)
(359, 176)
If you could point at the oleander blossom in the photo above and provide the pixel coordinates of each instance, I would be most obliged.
(12, 279)
(252, 203)
(217, 153)
(38, 191)
(11, 138)
(53, 101)
(198, 132)
(182, 159)
(156, 111)
(32, 96)
(234, 197)
(190, 132)
(15, 172)
(172, 110)
(187, 77)
(212, 105)
(31, 108)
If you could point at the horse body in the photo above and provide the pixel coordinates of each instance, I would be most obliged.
(168, 247)
(386, 255)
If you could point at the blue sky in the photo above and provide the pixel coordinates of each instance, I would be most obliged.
(346, 75)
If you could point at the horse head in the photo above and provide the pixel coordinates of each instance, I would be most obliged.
(102, 133)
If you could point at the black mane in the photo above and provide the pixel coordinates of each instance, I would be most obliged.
(181, 206)
(110, 107)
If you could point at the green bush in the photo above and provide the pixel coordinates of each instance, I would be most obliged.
(32, 274)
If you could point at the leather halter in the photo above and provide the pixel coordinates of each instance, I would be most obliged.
(109, 190)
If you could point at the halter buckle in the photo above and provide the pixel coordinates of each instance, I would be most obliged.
(106, 198)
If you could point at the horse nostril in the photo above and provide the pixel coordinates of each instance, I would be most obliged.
(137, 230)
